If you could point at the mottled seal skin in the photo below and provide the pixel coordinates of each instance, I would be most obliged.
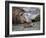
(18, 18)
(17, 15)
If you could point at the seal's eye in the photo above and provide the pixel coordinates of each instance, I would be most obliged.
(21, 13)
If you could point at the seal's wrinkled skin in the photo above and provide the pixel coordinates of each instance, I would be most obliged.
(18, 17)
